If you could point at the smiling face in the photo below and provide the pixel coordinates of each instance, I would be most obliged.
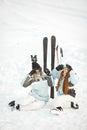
(65, 72)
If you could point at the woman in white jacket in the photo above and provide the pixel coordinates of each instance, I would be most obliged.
(37, 97)
(67, 79)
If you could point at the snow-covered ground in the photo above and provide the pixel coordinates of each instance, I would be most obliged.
(23, 24)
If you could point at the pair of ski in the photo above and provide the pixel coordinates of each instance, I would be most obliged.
(45, 49)
(54, 49)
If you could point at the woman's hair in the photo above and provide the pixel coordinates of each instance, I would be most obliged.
(65, 83)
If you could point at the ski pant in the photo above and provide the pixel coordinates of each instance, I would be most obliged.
(30, 103)
(64, 101)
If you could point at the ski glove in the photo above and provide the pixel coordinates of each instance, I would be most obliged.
(32, 72)
(49, 81)
(60, 67)
(71, 84)
(72, 92)
(47, 71)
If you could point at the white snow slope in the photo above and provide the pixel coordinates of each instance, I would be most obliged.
(23, 24)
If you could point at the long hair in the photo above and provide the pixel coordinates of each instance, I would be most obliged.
(65, 83)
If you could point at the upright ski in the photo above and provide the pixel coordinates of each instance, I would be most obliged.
(53, 44)
(61, 52)
(45, 45)
(61, 55)
(57, 59)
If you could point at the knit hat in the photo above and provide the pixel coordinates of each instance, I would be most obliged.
(69, 68)
(60, 67)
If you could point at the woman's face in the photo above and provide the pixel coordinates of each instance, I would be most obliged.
(65, 72)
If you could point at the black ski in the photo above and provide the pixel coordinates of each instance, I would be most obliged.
(53, 44)
(61, 55)
(61, 52)
(45, 45)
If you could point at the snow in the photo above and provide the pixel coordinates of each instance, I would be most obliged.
(23, 24)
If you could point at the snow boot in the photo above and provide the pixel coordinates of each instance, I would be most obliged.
(12, 104)
(18, 107)
(57, 110)
(74, 106)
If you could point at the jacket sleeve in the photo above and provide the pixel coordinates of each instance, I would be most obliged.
(55, 74)
(39, 90)
(73, 78)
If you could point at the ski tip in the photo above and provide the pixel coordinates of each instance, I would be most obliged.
(53, 37)
(45, 38)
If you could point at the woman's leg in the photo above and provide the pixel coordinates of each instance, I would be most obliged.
(29, 103)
